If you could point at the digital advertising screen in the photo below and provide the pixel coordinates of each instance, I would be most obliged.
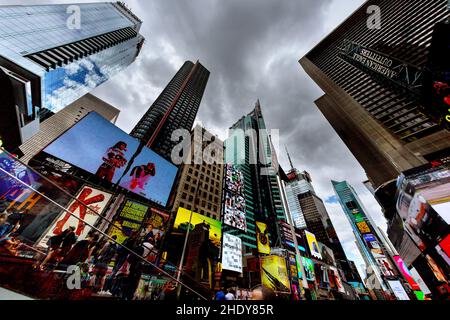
(274, 273)
(234, 211)
(130, 219)
(313, 245)
(94, 200)
(373, 245)
(308, 266)
(154, 228)
(234, 179)
(398, 290)
(99, 147)
(231, 253)
(406, 273)
(262, 237)
(184, 216)
(386, 267)
(363, 227)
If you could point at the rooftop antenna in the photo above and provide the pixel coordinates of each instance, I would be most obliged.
(289, 157)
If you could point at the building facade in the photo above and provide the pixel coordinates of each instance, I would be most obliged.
(249, 148)
(298, 183)
(376, 256)
(175, 108)
(199, 187)
(48, 60)
(369, 99)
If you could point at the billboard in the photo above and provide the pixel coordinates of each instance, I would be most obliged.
(406, 273)
(313, 245)
(97, 146)
(308, 266)
(386, 267)
(337, 282)
(215, 227)
(94, 200)
(363, 227)
(373, 245)
(274, 273)
(398, 290)
(234, 211)
(445, 245)
(130, 219)
(231, 253)
(423, 287)
(234, 179)
(262, 237)
(436, 270)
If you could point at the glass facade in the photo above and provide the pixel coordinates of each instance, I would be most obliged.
(175, 108)
(61, 52)
(293, 189)
(29, 29)
(261, 192)
(365, 236)
(66, 84)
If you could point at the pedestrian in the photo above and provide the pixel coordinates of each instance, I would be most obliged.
(104, 258)
(230, 295)
(263, 293)
(220, 295)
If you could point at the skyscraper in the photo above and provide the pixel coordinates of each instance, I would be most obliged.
(373, 81)
(200, 185)
(52, 128)
(49, 58)
(370, 244)
(175, 108)
(254, 156)
(299, 182)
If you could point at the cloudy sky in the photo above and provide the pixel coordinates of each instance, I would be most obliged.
(251, 48)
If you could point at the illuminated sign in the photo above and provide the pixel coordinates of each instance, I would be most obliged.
(313, 244)
(232, 253)
(363, 227)
(262, 235)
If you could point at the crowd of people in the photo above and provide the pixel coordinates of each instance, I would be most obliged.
(259, 292)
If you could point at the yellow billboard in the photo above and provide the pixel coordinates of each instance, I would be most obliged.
(215, 227)
(274, 273)
(313, 245)
(262, 235)
(363, 227)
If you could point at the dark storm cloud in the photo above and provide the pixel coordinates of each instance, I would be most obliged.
(252, 48)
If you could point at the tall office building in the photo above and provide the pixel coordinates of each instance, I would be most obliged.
(52, 128)
(369, 242)
(298, 183)
(249, 148)
(175, 108)
(373, 83)
(48, 60)
(199, 187)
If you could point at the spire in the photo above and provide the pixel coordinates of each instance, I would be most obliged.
(289, 157)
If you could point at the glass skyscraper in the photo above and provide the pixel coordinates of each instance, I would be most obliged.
(261, 191)
(175, 108)
(49, 63)
(299, 182)
(370, 244)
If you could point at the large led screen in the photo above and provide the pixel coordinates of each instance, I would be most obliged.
(234, 179)
(232, 253)
(274, 273)
(313, 245)
(82, 213)
(234, 211)
(184, 216)
(99, 147)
